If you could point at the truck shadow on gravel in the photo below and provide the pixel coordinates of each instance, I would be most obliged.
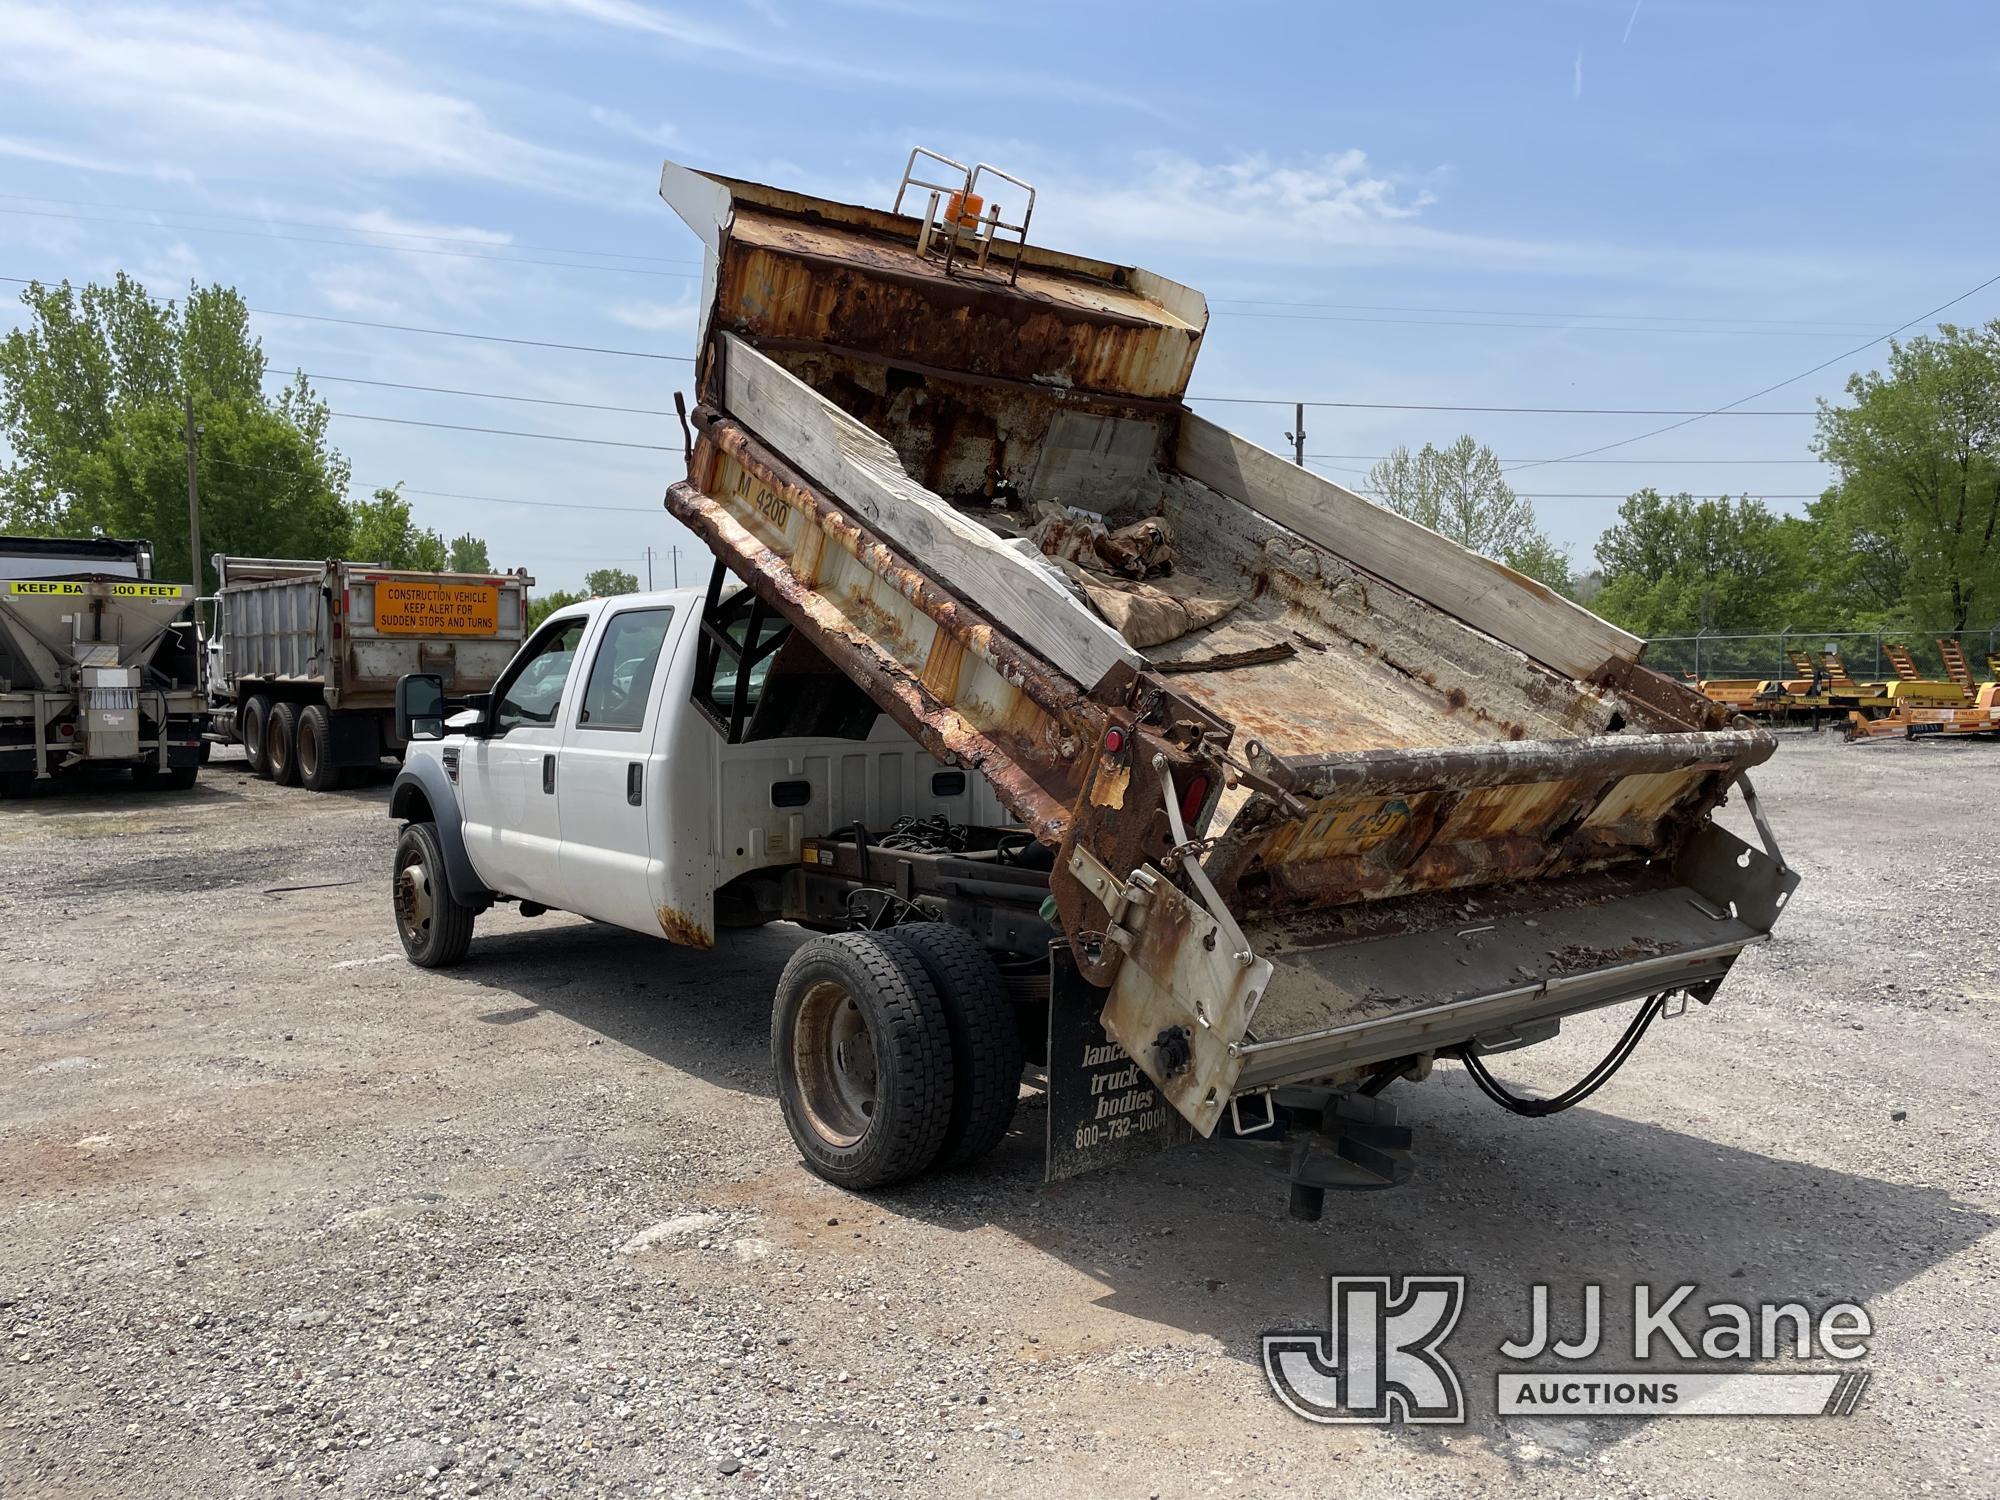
(1199, 1242)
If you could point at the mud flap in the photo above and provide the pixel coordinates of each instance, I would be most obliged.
(1102, 1109)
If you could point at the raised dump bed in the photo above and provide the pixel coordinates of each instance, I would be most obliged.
(1326, 791)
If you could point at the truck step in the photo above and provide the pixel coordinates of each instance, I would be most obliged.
(1321, 1141)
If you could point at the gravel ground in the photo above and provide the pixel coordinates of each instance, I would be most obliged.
(284, 1215)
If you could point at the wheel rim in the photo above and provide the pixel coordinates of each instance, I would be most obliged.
(833, 1057)
(253, 734)
(415, 904)
(308, 751)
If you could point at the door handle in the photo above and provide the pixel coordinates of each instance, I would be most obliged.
(635, 781)
(549, 774)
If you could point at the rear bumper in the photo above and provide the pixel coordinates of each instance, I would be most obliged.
(1498, 981)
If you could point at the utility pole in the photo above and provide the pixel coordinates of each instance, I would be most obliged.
(649, 570)
(1298, 434)
(675, 553)
(193, 435)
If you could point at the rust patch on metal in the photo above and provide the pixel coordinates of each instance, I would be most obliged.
(783, 278)
(678, 927)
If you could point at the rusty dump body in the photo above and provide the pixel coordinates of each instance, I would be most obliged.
(1363, 797)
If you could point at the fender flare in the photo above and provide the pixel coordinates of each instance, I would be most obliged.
(422, 781)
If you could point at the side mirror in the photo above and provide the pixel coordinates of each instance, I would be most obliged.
(420, 706)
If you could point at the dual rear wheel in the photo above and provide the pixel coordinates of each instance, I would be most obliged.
(292, 743)
(895, 1052)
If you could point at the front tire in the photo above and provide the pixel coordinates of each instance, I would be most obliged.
(317, 769)
(281, 743)
(436, 929)
(862, 1052)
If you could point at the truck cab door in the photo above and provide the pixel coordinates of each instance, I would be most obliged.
(615, 841)
(509, 786)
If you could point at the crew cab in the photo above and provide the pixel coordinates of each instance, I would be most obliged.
(600, 777)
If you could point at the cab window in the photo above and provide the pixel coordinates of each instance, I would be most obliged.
(621, 674)
(536, 690)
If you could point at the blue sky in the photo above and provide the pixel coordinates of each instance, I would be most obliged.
(1668, 204)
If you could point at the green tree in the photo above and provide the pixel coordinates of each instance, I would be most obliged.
(1851, 573)
(1459, 491)
(91, 393)
(540, 609)
(468, 555)
(1918, 458)
(605, 582)
(1676, 565)
(385, 532)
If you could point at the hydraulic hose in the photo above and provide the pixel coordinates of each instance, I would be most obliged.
(1577, 1092)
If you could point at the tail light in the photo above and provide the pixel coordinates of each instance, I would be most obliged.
(1193, 796)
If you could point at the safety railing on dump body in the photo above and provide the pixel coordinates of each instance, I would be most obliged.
(957, 214)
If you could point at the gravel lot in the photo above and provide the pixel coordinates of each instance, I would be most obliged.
(284, 1215)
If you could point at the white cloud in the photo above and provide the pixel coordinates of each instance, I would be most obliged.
(1576, 78)
(162, 77)
(620, 123)
(656, 317)
(387, 225)
(755, 54)
(1341, 209)
(57, 156)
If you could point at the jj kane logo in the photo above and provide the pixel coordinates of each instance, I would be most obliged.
(1381, 1358)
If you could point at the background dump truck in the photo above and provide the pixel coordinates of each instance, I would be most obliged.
(303, 657)
(98, 664)
(1090, 737)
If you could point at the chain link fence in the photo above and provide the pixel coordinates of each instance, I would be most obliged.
(1706, 655)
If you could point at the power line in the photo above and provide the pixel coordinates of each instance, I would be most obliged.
(630, 510)
(396, 234)
(353, 483)
(1549, 411)
(445, 390)
(1777, 385)
(1294, 317)
(547, 437)
(454, 333)
(1515, 312)
(446, 333)
(307, 239)
(1380, 457)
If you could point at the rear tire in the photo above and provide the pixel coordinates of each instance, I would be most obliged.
(985, 1039)
(281, 743)
(435, 928)
(253, 724)
(862, 1051)
(317, 768)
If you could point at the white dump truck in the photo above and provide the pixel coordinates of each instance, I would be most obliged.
(1095, 744)
(98, 664)
(303, 656)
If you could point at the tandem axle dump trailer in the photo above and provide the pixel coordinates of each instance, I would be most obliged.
(98, 664)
